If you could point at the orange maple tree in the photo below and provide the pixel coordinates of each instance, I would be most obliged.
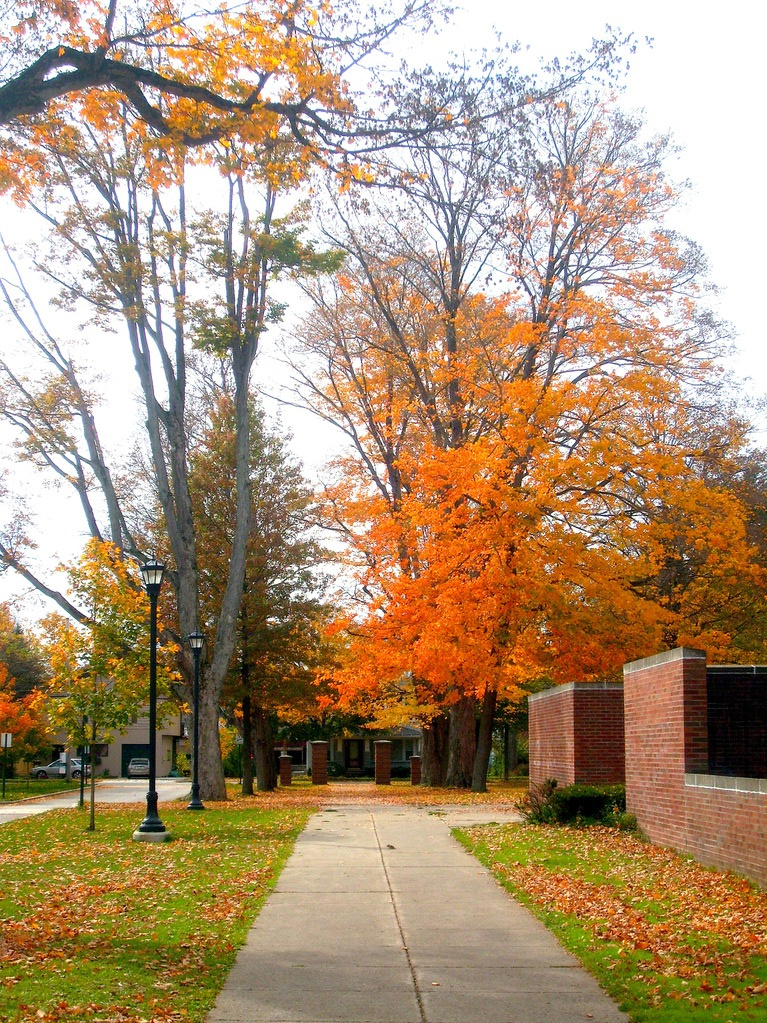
(23, 717)
(526, 473)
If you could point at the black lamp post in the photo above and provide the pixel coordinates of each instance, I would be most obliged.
(196, 641)
(152, 828)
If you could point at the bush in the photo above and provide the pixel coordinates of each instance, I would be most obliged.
(599, 803)
(577, 804)
(536, 806)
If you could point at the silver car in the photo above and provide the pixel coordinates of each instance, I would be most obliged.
(58, 769)
(138, 767)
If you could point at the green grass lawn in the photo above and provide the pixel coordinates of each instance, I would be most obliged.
(671, 941)
(97, 927)
(24, 788)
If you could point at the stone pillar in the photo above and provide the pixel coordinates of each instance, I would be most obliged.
(319, 763)
(286, 770)
(415, 770)
(383, 762)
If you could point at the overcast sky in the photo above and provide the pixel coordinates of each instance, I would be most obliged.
(704, 79)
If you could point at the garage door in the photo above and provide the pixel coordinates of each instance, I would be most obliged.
(130, 750)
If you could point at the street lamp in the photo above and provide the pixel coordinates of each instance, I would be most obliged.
(196, 641)
(152, 828)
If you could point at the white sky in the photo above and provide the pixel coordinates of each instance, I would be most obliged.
(704, 79)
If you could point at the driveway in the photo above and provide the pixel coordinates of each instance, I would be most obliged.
(108, 790)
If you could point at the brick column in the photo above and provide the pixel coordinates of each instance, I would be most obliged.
(319, 763)
(666, 737)
(383, 762)
(415, 770)
(286, 770)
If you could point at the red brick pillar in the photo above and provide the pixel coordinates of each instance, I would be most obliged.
(383, 761)
(286, 770)
(666, 737)
(319, 763)
(415, 770)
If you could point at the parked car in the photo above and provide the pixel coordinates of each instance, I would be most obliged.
(77, 768)
(58, 769)
(138, 767)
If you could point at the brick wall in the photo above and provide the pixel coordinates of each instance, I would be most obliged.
(599, 734)
(726, 822)
(551, 736)
(655, 737)
(722, 821)
(576, 734)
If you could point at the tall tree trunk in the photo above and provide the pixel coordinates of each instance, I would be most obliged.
(211, 765)
(510, 751)
(434, 752)
(462, 744)
(266, 771)
(484, 741)
(247, 747)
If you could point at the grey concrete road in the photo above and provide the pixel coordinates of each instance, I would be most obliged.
(380, 916)
(108, 790)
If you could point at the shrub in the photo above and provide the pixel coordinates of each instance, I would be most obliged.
(233, 762)
(576, 804)
(627, 822)
(600, 803)
(536, 806)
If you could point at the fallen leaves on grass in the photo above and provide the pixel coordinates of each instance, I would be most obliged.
(303, 793)
(113, 931)
(93, 1012)
(689, 923)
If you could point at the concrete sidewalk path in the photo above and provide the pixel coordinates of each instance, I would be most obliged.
(380, 916)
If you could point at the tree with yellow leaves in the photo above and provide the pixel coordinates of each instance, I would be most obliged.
(100, 670)
(195, 75)
(110, 110)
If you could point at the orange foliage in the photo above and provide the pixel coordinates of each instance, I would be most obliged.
(23, 718)
(529, 501)
(250, 76)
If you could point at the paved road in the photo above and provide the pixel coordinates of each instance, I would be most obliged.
(380, 916)
(108, 790)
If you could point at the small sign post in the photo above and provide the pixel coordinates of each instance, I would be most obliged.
(6, 741)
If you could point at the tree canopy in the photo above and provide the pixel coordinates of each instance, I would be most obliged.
(194, 75)
(519, 351)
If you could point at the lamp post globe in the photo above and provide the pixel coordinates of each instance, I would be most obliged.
(196, 641)
(152, 828)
